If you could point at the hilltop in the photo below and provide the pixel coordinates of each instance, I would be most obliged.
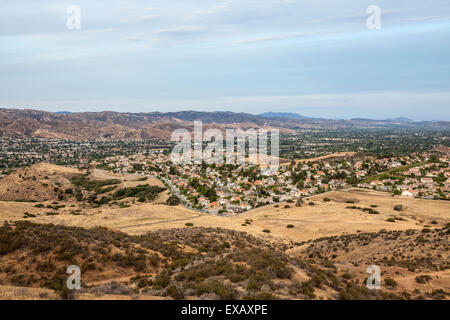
(39, 182)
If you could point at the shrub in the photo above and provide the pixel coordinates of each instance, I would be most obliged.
(141, 192)
(84, 182)
(307, 289)
(225, 292)
(390, 282)
(175, 292)
(173, 201)
(161, 280)
(423, 279)
(299, 202)
(290, 226)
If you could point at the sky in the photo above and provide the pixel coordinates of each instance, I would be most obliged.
(316, 58)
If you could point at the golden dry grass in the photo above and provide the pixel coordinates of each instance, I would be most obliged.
(328, 156)
(25, 293)
(310, 222)
(36, 182)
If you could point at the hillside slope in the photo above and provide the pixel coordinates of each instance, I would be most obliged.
(208, 263)
(39, 182)
(157, 125)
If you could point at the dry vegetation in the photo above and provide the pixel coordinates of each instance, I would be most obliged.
(129, 244)
(223, 264)
(40, 182)
(414, 263)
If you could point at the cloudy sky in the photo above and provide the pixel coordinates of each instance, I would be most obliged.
(316, 58)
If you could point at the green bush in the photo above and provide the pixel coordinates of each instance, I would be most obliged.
(175, 292)
(141, 192)
(162, 280)
(423, 279)
(173, 201)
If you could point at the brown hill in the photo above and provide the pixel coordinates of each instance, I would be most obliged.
(216, 263)
(157, 125)
(414, 264)
(39, 182)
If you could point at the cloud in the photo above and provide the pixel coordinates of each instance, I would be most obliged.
(278, 37)
(203, 50)
(149, 17)
(425, 18)
(103, 30)
(213, 10)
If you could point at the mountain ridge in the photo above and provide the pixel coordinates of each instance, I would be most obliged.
(283, 115)
(160, 125)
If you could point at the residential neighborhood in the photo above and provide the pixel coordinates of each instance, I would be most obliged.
(232, 189)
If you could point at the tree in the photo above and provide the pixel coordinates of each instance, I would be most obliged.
(173, 201)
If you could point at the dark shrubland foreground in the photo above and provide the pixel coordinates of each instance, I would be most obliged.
(202, 263)
(399, 254)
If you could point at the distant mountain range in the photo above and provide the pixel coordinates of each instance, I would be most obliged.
(400, 119)
(151, 125)
(63, 112)
(274, 115)
(283, 115)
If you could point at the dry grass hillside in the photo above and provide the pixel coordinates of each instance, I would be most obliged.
(47, 183)
(39, 182)
(329, 214)
(215, 263)
(130, 244)
(414, 264)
